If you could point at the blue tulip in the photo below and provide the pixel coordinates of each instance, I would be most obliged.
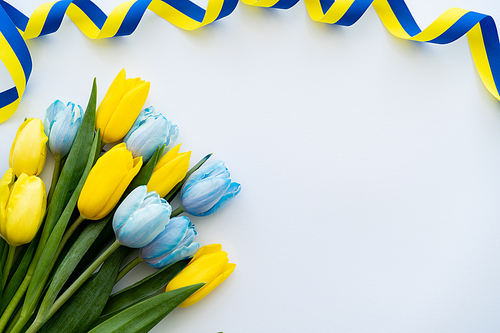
(174, 243)
(61, 125)
(208, 189)
(140, 218)
(150, 130)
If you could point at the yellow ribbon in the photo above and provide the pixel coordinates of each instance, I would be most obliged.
(15, 28)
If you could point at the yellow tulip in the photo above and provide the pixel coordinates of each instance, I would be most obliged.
(29, 150)
(22, 207)
(120, 107)
(209, 265)
(169, 171)
(107, 181)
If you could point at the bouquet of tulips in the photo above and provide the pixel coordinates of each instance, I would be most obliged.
(61, 253)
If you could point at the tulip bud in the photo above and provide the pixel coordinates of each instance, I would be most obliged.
(174, 243)
(140, 218)
(208, 189)
(107, 181)
(150, 130)
(22, 207)
(29, 151)
(209, 265)
(169, 171)
(61, 126)
(120, 107)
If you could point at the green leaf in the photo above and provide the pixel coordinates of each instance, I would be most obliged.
(178, 187)
(1, 283)
(143, 316)
(50, 251)
(4, 249)
(141, 290)
(69, 243)
(71, 260)
(84, 307)
(106, 236)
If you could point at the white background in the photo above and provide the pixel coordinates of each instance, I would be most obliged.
(370, 166)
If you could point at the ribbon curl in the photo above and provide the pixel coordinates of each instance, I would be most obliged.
(16, 28)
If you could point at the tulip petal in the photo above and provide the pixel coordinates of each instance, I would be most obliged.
(176, 255)
(205, 269)
(172, 137)
(202, 173)
(75, 127)
(152, 131)
(138, 121)
(165, 242)
(231, 192)
(125, 113)
(110, 101)
(169, 156)
(77, 121)
(14, 213)
(120, 189)
(25, 210)
(6, 183)
(188, 236)
(128, 206)
(146, 224)
(152, 198)
(132, 83)
(29, 149)
(101, 182)
(163, 180)
(202, 196)
(107, 181)
(168, 239)
(221, 171)
(64, 128)
(174, 243)
(207, 249)
(210, 265)
(205, 290)
(50, 115)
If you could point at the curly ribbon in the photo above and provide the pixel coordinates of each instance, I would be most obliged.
(16, 28)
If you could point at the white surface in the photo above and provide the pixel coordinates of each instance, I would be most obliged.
(369, 165)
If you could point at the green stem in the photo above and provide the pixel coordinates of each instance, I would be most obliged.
(66, 237)
(4, 247)
(177, 212)
(8, 264)
(55, 177)
(15, 301)
(77, 284)
(13, 322)
(137, 260)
